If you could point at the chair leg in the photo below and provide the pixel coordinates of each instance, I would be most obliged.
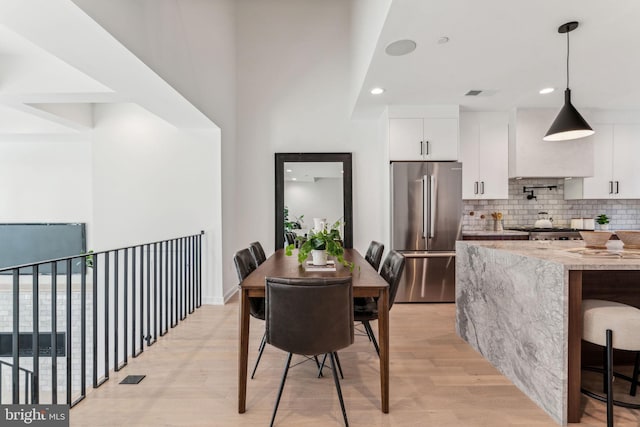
(634, 381)
(335, 353)
(319, 366)
(604, 370)
(260, 351)
(324, 359)
(338, 389)
(367, 326)
(609, 378)
(284, 378)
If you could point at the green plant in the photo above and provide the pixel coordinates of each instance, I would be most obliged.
(328, 240)
(292, 225)
(602, 219)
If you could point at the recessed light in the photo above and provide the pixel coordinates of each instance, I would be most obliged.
(289, 170)
(400, 47)
(546, 90)
(294, 179)
(443, 40)
(377, 91)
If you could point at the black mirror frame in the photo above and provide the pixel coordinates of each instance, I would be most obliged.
(345, 158)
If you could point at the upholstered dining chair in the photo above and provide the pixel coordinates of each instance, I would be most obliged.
(309, 316)
(257, 252)
(245, 264)
(391, 271)
(290, 238)
(374, 254)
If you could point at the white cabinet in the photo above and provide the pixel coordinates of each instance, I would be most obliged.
(423, 139)
(484, 152)
(616, 174)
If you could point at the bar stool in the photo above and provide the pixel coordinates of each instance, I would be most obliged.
(611, 325)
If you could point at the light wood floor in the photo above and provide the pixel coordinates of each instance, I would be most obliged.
(436, 380)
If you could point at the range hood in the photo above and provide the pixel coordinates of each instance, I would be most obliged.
(531, 157)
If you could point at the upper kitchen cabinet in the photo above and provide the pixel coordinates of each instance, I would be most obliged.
(484, 152)
(415, 134)
(616, 175)
(530, 156)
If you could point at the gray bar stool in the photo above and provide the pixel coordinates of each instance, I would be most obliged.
(611, 325)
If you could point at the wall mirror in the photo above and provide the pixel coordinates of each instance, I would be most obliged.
(313, 185)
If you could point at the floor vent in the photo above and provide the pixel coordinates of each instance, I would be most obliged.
(132, 379)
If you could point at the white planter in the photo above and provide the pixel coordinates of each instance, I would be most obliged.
(604, 226)
(319, 257)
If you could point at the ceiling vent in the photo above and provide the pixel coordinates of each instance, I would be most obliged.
(481, 92)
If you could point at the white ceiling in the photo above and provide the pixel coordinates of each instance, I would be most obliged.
(55, 54)
(311, 171)
(56, 63)
(510, 47)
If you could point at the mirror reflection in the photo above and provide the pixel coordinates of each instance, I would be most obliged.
(312, 193)
(315, 193)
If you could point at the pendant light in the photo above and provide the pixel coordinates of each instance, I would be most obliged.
(569, 124)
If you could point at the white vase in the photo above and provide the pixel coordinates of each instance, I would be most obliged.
(319, 256)
(604, 226)
(319, 224)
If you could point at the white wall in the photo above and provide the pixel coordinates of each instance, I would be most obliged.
(317, 199)
(191, 45)
(367, 20)
(45, 178)
(293, 96)
(152, 181)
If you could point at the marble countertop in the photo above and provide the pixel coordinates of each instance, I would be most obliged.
(495, 233)
(571, 254)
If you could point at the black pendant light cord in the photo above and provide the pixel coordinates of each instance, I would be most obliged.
(567, 59)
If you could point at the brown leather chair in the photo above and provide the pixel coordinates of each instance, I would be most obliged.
(374, 254)
(257, 252)
(309, 316)
(245, 264)
(391, 271)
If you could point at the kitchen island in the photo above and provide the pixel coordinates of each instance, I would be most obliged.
(518, 303)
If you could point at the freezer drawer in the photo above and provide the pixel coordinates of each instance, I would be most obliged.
(427, 278)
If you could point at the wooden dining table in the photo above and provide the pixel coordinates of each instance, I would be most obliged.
(366, 283)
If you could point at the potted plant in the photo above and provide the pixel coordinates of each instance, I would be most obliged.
(320, 244)
(603, 220)
(292, 225)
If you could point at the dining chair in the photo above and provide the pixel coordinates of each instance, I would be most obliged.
(290, 238)
(245, 265)
(257, 252)
(391, 271)
(374, 254)
(309, 316)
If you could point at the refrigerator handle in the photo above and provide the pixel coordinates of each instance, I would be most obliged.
(425, 207)
(432, 205)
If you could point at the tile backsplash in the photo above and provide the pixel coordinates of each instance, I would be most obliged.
(517, 211)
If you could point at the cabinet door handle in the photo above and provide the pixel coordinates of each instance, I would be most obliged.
(617, 187)
(475, 187)
(610, 187)
(427, 153)
(481, 187)
(421, 148)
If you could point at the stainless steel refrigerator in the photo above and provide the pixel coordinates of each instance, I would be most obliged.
(426, 221)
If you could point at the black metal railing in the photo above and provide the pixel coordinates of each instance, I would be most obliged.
(118, 300)
(28, 390)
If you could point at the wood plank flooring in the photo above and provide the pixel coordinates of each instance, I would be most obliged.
(436, 380)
